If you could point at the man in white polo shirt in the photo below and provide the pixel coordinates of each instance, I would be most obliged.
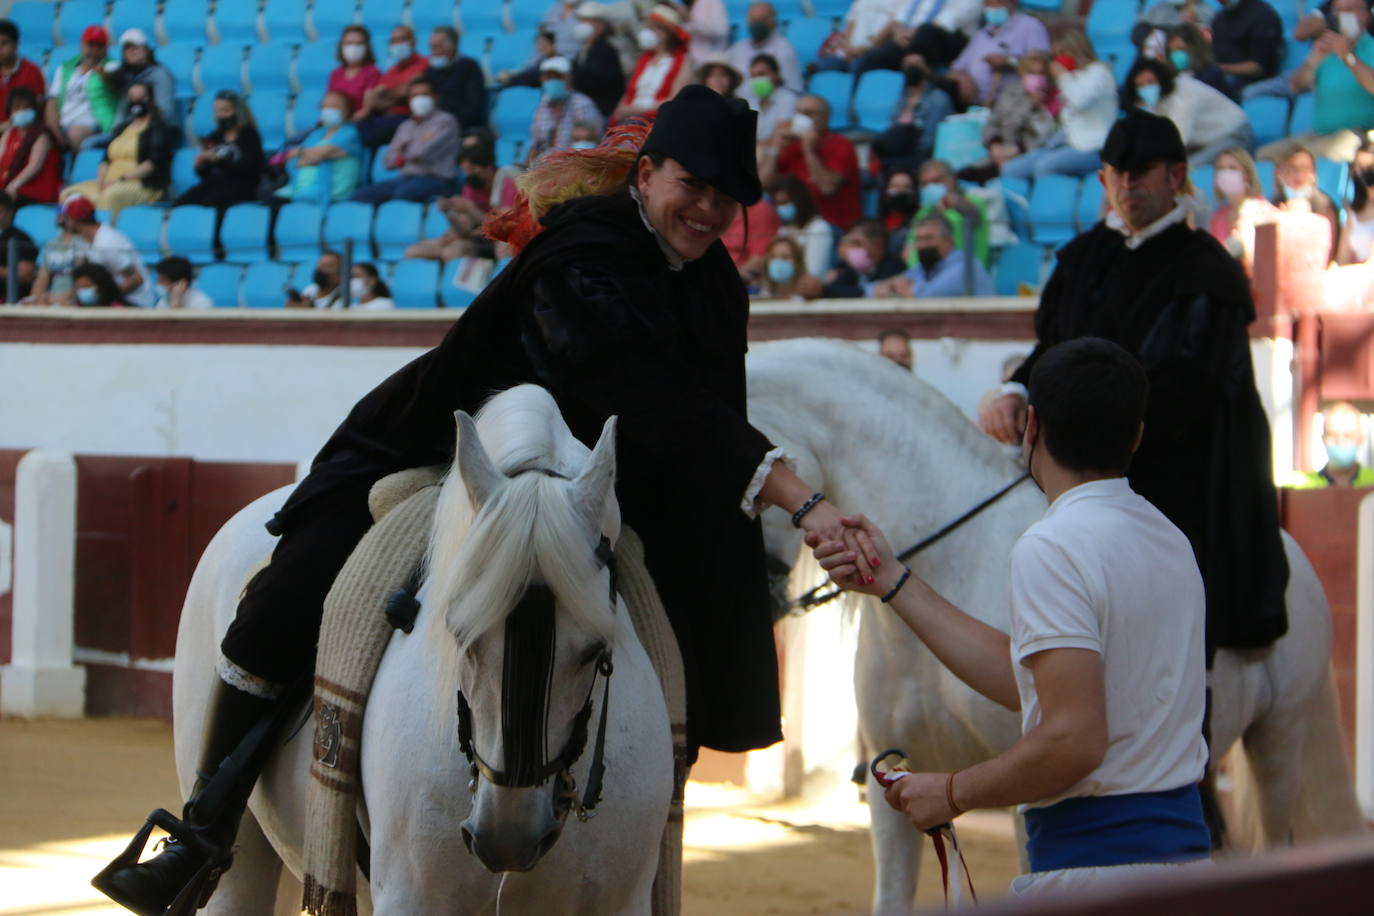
(1105, 658)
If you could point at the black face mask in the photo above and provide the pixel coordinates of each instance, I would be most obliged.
(138, 109)
(226, 123)
(915, 76)
(902, 201)
(1366, 178)
(474, 181)
(322, 279)
(928, 257)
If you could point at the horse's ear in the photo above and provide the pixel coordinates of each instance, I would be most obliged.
(480, 475)
(593, 486)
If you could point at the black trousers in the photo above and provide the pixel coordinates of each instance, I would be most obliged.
(277, 628)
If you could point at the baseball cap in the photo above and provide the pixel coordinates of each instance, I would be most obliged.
(95, 35)
(134, 37)
(555, 65)
(79, 208)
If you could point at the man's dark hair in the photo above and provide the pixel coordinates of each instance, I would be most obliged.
(1089, 396)
(769, 61)
(448, 32)
(9, 30)
(479, 154)
(894, 332)
(422, 82)
(871, 229)
(174, 268)
(106, 289)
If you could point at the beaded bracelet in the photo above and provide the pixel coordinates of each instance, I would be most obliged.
(812, 501)
(892, 592)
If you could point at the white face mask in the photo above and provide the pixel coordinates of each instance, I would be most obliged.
(802, 124)
(438, 61)
(358, 288)
(583, 30)
(1293, 193)
(422, 105)
(354, 53)
(399, 50)
(1231, 183)
(1349, 25)
(647, 38)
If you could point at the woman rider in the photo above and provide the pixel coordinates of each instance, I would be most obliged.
(622, 302)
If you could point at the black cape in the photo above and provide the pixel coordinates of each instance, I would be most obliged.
(591, 311)
(1181, 304)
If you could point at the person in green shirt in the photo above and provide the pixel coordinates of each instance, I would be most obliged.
(940, 194)
(1343, 438)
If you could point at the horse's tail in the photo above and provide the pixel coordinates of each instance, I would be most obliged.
(1326, 802)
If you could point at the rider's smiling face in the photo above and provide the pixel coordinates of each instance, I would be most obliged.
(684, 210)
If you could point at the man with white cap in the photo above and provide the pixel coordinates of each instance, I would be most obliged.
(559, 109)
(596, 68)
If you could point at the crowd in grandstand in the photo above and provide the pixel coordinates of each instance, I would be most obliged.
(909, 148)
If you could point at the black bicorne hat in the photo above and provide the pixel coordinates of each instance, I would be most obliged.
(713, 138)
(1141, 138)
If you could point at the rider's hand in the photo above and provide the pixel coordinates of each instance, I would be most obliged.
(844, 564)
(826, 523)
(1004, 418)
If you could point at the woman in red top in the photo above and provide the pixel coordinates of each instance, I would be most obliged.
(30, 165)
(662, 69)
(357, 71)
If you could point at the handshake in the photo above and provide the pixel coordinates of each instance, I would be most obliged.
(858, 557)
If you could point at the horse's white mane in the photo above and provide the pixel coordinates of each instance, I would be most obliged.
(527, 531)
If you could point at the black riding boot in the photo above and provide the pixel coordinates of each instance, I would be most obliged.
(211, 817)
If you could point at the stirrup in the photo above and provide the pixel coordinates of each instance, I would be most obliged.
(197, 891)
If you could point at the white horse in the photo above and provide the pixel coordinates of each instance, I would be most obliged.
(496, 538)
(878, 440)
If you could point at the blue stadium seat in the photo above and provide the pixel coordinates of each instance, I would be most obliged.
(1265, 169)
(329, 19)
(1016, 196)
(512, 51)
(298, 232)
(876, 95)
(285, 20)
(510, 117)
(736, 10)
(305, 110)
(835, 88)
(269, 107)
(1203, 177)
(1109, 24)
(237, 23)
(829, 9)
(243, 233)
(1053, 201)
(74, 16)
(221, 67)
(806, 36)
(452, 291)
(426, 14)
(379, 171)
(1268, 118)
(415, 285)
(1301, 120)
(183, 170)
(349, 219)
(86, 166)
(36, 25)
(181, 60)
(511, 150)
(303, 274)
(133, 14)
(38, 220)
(381, 16)
(269, 67)
(315, 61)
(481, 17)
(397, 226)
(221, 283)
(191, 233)
(264, 285)
(1294, 51)
(786, 9)
(435, 225)
(1090, 199)
(526, 15)
(1120, 58)
(143, 225)
(183, 22)
(203, 113)
(1046, 6)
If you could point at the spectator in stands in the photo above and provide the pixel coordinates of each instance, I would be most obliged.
(1022, 119)
(138, 64)
(357, 70)
(544, 48)
(384, 105)
(597, 72)
(784, 275)
(1150, 36)
(1208, 121)
(799, 219)
(30, 164)
(458, 81)
(826, 161)
(940, 196)
(93, 286)
(560, 109)
(717, 74)
(895, 344)
(561, 22)
(937, 30)
(80, 102)
(230, 161)
(1357, 231)
(324, 291)
(25, 252)
(53, 283)
(16, 71)
(585, 135)
(468, 210)
(1296, 189)
(708, 30)
(327, 165)
(138, 162)
(897, 207)
(867, 25)
(1340, 72)
(1241, 201)
(175, 290)
(1090, 106)
(662, 68)
(368, 290)
(1191, 54)
(864, 262)
(761, 24)
(111, 249)
(910, 139)
(748, 237)
(989, 59)
(1343, 439)
(425, 150)
(940, 270)
(766, 94)
(1247, 42)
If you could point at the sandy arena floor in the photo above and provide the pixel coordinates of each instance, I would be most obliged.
(74, 791)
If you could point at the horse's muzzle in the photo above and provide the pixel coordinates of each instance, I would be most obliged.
(502, 851)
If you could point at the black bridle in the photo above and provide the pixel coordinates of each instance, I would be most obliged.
(526, 685)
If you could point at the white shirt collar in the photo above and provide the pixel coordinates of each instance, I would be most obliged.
(675, 260)
(1135, 239)
(1110, 488)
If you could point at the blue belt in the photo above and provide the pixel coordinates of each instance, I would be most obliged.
(1100, 830)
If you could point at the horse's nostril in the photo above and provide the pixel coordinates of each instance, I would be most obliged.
(467, 839)
(547, 840)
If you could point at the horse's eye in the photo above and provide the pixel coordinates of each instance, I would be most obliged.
(593, 652)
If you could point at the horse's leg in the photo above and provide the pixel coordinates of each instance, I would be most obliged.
(896, 855)
(1326, 802)
(1273, 750)
(249, 888)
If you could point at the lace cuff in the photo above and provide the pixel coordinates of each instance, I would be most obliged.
(246, 681)
(751, 505)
